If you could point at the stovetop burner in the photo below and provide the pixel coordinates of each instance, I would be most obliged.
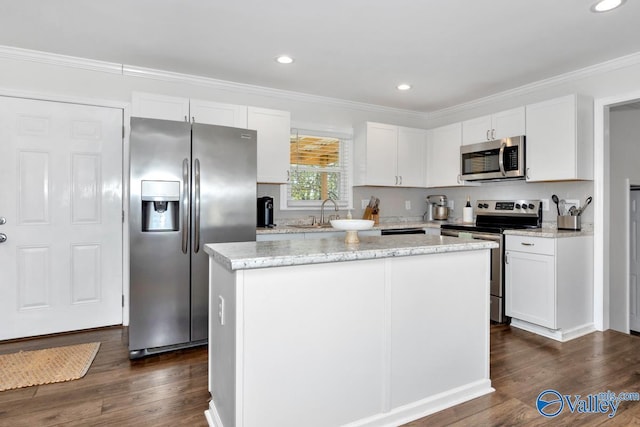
(495, 216)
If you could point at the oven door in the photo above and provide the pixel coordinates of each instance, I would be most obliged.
(497, 288)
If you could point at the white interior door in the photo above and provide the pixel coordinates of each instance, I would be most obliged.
(634, 260)
(61, 196)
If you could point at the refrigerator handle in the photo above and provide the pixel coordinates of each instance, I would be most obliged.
(196, 229)
(185, 206)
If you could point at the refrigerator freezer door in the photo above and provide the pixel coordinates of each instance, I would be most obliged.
(159, 271)
(224, 203)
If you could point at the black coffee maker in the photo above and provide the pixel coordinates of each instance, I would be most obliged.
(265, 211)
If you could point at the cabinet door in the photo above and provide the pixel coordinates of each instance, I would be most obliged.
(530, 288)
(153, 106)
(551, 140)
(443, 156)
(411, 157)
(274, 138)
(506, 124)
(216, 113)
(476, 130)
(382, 154)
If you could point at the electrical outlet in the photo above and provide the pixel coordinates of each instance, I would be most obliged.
(571, 202)
(407, 205)
(450, 204)
(365, 203)
(545, 204)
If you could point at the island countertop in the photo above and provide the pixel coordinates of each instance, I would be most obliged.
(250, 255)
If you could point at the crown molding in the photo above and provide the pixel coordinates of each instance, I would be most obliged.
(592, 70)
(20, 54)
(169, 76)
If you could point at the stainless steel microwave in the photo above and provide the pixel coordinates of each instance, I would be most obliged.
(492, 160)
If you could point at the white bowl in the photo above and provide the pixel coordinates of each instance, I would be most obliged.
(352, 224)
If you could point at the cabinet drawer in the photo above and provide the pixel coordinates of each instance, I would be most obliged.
(534, 245)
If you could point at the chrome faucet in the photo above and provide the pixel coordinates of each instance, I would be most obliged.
(322, 208)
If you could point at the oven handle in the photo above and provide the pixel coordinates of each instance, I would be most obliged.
(474, 235)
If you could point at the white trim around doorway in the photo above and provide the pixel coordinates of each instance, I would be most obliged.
(601, 301)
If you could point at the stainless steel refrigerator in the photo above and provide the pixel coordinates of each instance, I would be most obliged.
(190, 184)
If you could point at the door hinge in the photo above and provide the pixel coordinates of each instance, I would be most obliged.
(123, 300)
(123, 132)
(123, 217)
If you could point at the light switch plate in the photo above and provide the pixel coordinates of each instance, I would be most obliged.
(365, 203)
(407, 205)
(545, 204)
(221, 309)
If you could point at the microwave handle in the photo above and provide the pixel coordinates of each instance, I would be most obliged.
(501, 159)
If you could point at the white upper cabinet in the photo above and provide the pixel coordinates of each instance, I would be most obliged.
(412, 149)
(274, 139)
(153, 106)
(443, 156)
(273, 126)
(389, 155)
(560, 139)
(495, 126)
(216, 113)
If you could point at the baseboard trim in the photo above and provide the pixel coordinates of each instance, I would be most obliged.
(402, 414)
(561, 335)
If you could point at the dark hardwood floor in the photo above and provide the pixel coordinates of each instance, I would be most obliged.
(171, 389)
(162, 390)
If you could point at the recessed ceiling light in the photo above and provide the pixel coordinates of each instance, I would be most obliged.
(284, 59)
(606, 5)
(403, 86)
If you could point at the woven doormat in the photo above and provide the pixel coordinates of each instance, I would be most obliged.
(51, 365)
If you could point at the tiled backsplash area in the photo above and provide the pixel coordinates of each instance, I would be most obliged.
(393, 201)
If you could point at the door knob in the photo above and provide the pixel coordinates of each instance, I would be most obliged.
(3, 237)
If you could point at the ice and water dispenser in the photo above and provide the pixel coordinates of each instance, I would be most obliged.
(160, 205)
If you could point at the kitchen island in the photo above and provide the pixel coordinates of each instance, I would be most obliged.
(321, 333)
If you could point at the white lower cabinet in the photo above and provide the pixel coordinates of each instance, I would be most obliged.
(549, 284)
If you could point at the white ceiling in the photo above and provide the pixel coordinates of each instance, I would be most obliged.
(451, 51)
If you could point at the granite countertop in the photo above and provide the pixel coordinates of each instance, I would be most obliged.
(284, 229)
(551, 231)
(248, 255)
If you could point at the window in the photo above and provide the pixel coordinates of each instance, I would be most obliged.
(319, 169)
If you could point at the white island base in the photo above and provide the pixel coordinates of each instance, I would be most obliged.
(372, 342)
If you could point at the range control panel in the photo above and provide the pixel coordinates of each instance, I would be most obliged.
(509, 207)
